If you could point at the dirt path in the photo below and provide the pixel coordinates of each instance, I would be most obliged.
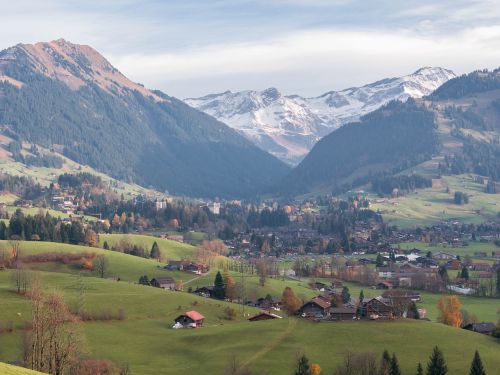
(272, 344)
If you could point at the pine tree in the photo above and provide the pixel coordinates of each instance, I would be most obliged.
(155, 251)
(379, 261)
(395, 370)
(385, 364)
(476, 367)
(219, 290)
(437, 363)
(105, 246)
(465, 273)
(346, 296)
(303, 367)
(420, 370)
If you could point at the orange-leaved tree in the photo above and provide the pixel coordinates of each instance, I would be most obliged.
(449, 311)
(291, 303)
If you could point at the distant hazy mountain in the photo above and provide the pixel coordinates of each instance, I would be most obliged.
(70, 98)
(289, 126)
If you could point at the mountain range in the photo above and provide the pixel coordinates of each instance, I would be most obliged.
(69, 99)
(288, 126)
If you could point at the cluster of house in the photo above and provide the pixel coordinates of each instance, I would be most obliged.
(385, 307)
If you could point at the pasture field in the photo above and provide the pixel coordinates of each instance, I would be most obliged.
(433, 205)
(6, 369)
(462, 251)
(145, 342)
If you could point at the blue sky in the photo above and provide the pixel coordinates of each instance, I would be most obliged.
(194, 47)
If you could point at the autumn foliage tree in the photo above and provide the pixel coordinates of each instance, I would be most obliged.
(450, 311)
(291, 303)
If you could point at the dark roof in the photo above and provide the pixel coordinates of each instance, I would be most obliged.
(164, 280)
(321, 302)
(265, 313)
(481, 327)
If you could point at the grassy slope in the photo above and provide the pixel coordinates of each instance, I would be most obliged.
(144, 340)
(126, 267)
(14, 370)
(432, 205)
(170, 249)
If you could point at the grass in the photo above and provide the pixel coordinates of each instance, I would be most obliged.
(462, 251)
(170, 250)
(145, 341)
(433, 205)
(6, 369)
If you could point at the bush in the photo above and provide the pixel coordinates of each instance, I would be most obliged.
(229, 313)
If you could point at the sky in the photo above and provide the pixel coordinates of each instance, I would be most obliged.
(190, 48)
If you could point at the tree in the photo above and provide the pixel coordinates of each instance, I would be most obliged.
(262, 271)
(91, 238)
(379, 261)
(105, 246)
(449, 311)
(302, 366)
(219, 290)
(437, 363)
(291, 303)
(101, 265)
(52, 345)
(395, 370)
(346, 296)
(385, 364)
(155, 251)
(315, 369)
(498, 281)
(464, 274)
(420, 370)
(230, 286)
(144, 280)
(476, 367)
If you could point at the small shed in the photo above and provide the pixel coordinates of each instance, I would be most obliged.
(190, 319)
(342, 313)
(484, 328)
(264, 315)
(163, 282)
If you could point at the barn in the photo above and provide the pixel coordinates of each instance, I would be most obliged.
(190, 319)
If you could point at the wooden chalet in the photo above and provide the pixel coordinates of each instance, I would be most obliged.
(316, 308)
(163, 282)
(190, 319)
(377, 308)
(484, 328)
(342, 313)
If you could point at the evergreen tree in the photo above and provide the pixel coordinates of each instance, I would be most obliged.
(395, 370)
(155, 251)
(465, 273)
(385, 364)
(476, 367)
(219, 290)
(420, 370)
(303, 367)
(498, 281)
(379, 261)
(144, 280)
(105, 246)
(437, 363)
(346, 296)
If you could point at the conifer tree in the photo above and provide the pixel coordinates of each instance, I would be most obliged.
(437, 363)
(385, 364)
(395, 370)
(420, 370)
(476, 367)
(219, 290)
(155, 251)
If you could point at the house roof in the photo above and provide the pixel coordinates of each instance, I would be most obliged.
(321, 302)
(164, 280)
(265, 313)
(195, 315)
(342, 310)
(481, 327)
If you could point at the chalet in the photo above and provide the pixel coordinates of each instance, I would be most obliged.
(484, 328)
(264, 315)
(386, 273)
(163, 282)
(481, 267)
(480, 254)
(267, 304)
(319, 286)
(342, 313)
(384, 285)
(377, 308)
(205, 291)
(190, 319)
(316, 308)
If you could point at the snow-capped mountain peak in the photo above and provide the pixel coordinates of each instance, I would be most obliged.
(289, 126)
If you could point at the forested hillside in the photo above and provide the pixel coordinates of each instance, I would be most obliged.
(390, 139)
(69, 98)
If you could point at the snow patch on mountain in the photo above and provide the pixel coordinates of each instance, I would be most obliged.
(289, 126)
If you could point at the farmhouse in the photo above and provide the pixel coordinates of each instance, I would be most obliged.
(316, 308)
(190, 319)
(441, 255)
(264, 315)
(163, 282)
(342, 313)
(205, 291)
(484, 328)
(377, 308)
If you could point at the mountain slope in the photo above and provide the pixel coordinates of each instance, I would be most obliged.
(288, 126)
(68, 97)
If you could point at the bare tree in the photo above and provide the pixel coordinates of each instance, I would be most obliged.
(101, 265)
